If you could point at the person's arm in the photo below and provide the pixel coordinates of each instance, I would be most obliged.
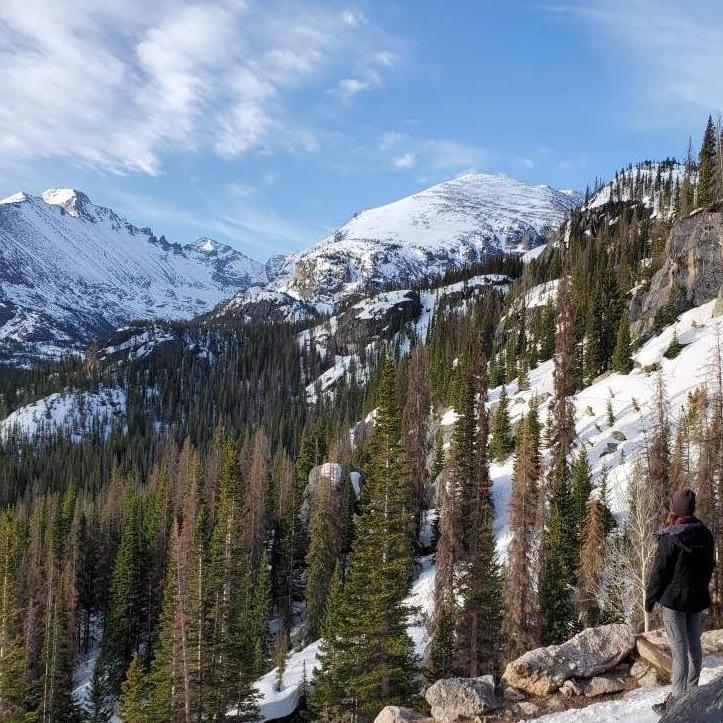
(661, 573)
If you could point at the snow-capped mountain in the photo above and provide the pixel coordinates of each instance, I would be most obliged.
(71, 270)
(446, 226)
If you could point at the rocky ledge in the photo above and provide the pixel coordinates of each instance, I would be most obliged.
(597, 663)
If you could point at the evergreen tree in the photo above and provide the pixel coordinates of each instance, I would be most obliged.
(707, 176)
(622, 360)
(13, 684)
(502, 443)
(591, 565)
(521, 624)
(369, 657)
(133, 706)
(560, 544)
(580, 491)
(322, 556)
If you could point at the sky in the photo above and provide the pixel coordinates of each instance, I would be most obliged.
(267, 123)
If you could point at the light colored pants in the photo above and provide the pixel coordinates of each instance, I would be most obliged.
(684, 635)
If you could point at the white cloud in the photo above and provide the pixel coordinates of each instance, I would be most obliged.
(670, 50)
(391, 138)
(118, 85)
(405, 161)
(432, 154)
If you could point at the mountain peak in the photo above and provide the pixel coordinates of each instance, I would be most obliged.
(75, 202)
(207, 245)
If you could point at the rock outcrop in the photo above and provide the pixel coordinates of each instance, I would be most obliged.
(459, 699)
(591, 652)
(397, 714)
(330, 473)
(692, 273)
(699, 705)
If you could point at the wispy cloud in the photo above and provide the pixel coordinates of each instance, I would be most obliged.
(670, 50)
(118, 85)
(405, 161)
(433, 155)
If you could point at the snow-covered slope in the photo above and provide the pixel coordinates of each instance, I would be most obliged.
(399, 317)
(651, 183)
(258, 304)
(448, 225)
(75, 413)
(70, 271)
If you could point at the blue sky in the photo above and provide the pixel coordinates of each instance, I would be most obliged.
(267, 124)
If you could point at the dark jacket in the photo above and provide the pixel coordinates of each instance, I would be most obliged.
(683, 567)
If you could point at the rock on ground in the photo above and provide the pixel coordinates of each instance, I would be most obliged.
(699, 705)
(456, 699)
(591, 652)
(397, 714)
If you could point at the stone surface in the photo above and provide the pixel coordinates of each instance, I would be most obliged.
(330, 473)
(570, 689)
(692, 273)
(644, 674)
(699, 705)
(618, 435)
(396, 714)
(456, 699)
(528, 709)
(591, 652)
(512, 695)
(654, 654)
(602, 685)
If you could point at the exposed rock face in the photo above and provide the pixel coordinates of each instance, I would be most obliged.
(328, 473)
(380, 317)
(692, 272)
(396, 714)
(591, 652)
(699, 705)
(458, 699)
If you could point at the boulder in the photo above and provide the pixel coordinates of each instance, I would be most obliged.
(711, 640)
(602, 685)
(644, 674)
(703, 704)
(528, 709)
(570, 689)
(396, 714)
(654, 653)
(456, 699)
(618, 436)
(591, 652)
(330, 473)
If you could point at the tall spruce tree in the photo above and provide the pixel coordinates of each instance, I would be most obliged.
(707, 177)
(560, 543)
(369, 658)
(502, 443)
(622, 360)
(521, 622)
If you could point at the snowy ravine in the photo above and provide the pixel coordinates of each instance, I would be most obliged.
(631, 396)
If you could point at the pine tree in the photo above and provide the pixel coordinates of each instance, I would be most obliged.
(592, 564)
(133, 706)
(13, 684)
(521, 623)
(502, 443)
(324, 550)
(580, 491)
(281, 652)
(707, 191)
(622, 360)
(369, 657)
(560, 544)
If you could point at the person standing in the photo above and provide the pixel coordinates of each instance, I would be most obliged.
(679, 583)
